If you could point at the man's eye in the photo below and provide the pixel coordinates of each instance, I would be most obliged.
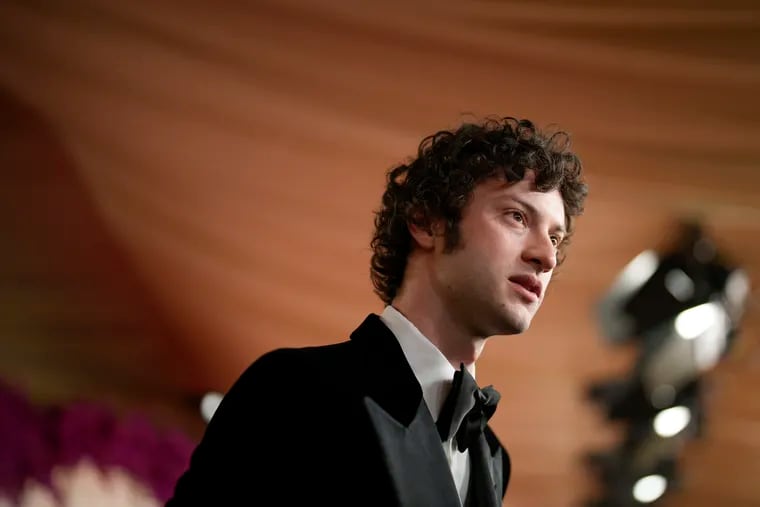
(555, 241)
(517, 216)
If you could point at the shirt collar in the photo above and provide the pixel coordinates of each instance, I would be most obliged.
(431, 368)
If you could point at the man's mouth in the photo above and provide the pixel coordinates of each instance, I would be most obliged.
(530, 284)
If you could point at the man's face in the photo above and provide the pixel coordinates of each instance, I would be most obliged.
(496, 278)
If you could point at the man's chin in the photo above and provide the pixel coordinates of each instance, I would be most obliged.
(506, 320)
(511, 325)
(516, 324)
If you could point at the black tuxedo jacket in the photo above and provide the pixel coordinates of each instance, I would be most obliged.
(341, 424)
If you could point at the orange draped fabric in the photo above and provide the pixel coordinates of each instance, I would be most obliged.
(233, 154)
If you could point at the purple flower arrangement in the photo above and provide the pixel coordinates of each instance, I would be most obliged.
(36, 440)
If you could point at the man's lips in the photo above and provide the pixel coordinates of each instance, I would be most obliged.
(528, 282)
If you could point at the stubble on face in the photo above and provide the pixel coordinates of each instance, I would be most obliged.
(475, 275)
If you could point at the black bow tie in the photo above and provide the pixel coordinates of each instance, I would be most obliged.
(475, 404)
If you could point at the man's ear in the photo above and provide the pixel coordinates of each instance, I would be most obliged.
(424, 232)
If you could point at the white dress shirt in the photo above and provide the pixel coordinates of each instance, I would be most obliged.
(435, 374)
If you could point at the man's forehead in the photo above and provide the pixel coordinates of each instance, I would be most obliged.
(547, 204)
(501, 182)
(530, 177)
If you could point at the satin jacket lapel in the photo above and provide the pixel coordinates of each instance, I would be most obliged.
(486, 475)
(402, 422)
(501, 466)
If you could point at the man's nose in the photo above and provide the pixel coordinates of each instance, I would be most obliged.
(541, 253)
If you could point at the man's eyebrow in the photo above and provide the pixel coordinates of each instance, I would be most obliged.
(533, 211)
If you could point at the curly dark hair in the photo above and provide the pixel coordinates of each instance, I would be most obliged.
(438, 182)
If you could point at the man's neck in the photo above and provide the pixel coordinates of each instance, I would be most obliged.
(438, 326)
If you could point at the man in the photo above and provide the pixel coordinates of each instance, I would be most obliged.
(466, 240)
